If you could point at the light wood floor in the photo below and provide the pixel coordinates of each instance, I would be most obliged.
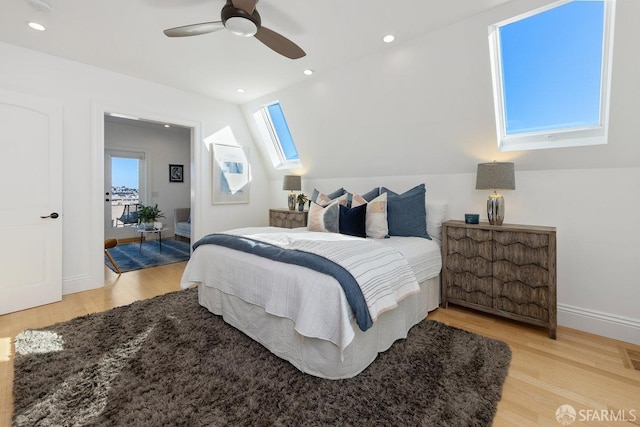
(579, 369)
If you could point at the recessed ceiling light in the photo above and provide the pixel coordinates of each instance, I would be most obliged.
(388, 38)
(308, 72)
(36, 26)
(167, 126)
(240, 90)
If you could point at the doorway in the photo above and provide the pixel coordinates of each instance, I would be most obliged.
(138, 157)
(103, 116)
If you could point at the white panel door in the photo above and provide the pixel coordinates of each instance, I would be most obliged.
(30, 202)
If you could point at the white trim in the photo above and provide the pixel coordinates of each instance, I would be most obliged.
(80, 283)
(596, 322)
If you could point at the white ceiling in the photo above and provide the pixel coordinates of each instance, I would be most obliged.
(126, 36)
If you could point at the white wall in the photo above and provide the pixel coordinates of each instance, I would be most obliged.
(86, 92)
(422, 111)
(162, 147)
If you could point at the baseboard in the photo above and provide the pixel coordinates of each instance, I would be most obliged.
(605, 324)
(71, 285)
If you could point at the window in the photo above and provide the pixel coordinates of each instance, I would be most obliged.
(276, 136)
(551, 71)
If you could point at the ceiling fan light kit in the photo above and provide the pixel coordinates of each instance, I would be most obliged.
(241, 27)
(241, 18)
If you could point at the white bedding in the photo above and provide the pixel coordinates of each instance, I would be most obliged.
(382, 273)
(313, 301)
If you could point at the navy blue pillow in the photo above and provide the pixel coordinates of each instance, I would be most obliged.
(352, 221)
(406, 212)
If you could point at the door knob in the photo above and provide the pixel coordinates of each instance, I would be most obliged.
(53, 215)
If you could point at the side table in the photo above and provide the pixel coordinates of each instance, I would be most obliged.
(144, 231)
(287, 218)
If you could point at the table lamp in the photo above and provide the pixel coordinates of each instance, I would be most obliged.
(495, 176)
(292, 183)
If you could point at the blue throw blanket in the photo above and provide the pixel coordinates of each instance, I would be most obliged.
(305, 259)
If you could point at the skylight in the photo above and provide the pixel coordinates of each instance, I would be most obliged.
(551, 70)
(276, 136)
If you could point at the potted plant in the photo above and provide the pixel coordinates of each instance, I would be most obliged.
(301, 199)
(147, 216)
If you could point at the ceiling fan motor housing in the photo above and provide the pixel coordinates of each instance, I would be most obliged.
(240, 22)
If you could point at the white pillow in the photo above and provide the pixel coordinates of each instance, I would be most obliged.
(436, 213)
(376, 217)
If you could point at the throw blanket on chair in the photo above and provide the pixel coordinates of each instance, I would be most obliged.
(382, 275)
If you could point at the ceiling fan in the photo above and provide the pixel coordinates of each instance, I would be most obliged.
(242, 19)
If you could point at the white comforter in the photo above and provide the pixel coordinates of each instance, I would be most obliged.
(314, 301)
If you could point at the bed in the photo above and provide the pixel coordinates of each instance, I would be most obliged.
(303, 315)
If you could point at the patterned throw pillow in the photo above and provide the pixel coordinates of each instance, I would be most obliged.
(334, 195)
(324, 200)
(376, 217)
(324, 218)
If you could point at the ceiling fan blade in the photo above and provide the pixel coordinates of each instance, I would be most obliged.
(279, 43)
(246, 5)
(194, 29)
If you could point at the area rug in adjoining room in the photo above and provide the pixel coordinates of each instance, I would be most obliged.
(168, 361)
(130, 256)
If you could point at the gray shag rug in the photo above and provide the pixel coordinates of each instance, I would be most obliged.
(168, 361)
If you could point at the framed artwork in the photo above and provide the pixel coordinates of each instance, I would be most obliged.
(231, 175)
(176, 173)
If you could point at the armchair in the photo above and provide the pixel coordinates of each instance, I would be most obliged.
(182, 222)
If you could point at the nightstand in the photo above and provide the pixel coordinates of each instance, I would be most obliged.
(287, 218)
(508, 270)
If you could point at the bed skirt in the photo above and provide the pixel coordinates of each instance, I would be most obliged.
(316, 356)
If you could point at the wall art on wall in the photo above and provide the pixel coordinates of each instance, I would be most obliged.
(231, 175)
(176, 173)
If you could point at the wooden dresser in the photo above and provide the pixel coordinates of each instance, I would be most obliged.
(508, 270)
(287, 218)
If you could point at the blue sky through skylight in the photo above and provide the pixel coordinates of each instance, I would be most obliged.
(551, 68)
(282, 129)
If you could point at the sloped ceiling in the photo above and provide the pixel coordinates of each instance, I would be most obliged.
(126, 36)
(426, 107)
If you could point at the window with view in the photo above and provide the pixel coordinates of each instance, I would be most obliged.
(276, 136)
(551, 71)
